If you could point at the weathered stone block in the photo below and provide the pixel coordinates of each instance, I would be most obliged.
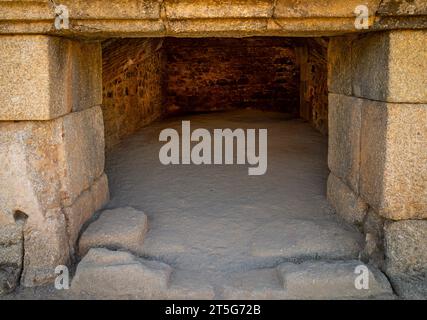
(121, 228)
(190, 9)
(406, 247)
(46, 77)
(54, 161)
(83, 146)
(340, 65)
(321, 8)
(402, 7)
(329, 280)
(86, 80)
(45, 247)
(33, 85)
(346, 204)
(90, 201)
(116, 9)
(345, 118)
(105, 274)
(393, 169)
(47, 165)
(11, 255)
(385, 66)
(373, 229)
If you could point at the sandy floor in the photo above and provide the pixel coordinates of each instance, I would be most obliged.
(220, 218)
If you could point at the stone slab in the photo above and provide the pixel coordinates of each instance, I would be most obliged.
(46, 77)
(121, 228)
(106, 274)
(331, 280)
(406, 247)
(346, 204)
(344, 121)
(393, 167)
(302, 239)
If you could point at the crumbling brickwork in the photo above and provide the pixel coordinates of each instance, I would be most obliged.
(312, 59)
(225, 73)
(132, 86)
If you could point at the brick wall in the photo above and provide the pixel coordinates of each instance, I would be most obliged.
(224, 73)
(132, 86)
(312, 58)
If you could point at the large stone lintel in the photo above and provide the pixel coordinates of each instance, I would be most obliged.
(201, 18)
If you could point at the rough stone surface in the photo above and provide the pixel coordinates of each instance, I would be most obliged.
(305, 238)
(406, 247)
(331, 280)
(323, 8)
(412, 287)
(406, 257)
(45, 247)
(402, 7)
(11, 254)
(137, 18)
(373, 229)
(120, 275)
(47, 166)
(83, 147)
(86, 79)
(189, 9)
(383, 66)
(259, 284)
(55, 160)
(88, 202)
(345, 118)
(122, 228)
(393, 167)
(346, 204)
(33, 81)
(340, 65)
(46, 77)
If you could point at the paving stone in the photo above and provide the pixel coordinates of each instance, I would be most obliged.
(406, 247)
(346, 204)
(106, 274)
(302, 238)
(121, 228)
(331, 280)
(258, 284)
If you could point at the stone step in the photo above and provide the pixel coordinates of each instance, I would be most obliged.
(259, 284)
(121, 228)
(332, 280)
(306, 240)
(107, 274)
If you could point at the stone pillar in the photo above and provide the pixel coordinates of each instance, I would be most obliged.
(51, 151)
(378, 147)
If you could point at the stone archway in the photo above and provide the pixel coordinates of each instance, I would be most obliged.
(52, 136)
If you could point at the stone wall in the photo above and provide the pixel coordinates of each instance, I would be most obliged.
(52, 153)
(132, 86)
(312, 54)
(377, 148)
(225, 73)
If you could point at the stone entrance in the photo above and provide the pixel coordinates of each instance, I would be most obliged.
(55, 110)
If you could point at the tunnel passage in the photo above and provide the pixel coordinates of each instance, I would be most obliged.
(218, 218)
(146, 79)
